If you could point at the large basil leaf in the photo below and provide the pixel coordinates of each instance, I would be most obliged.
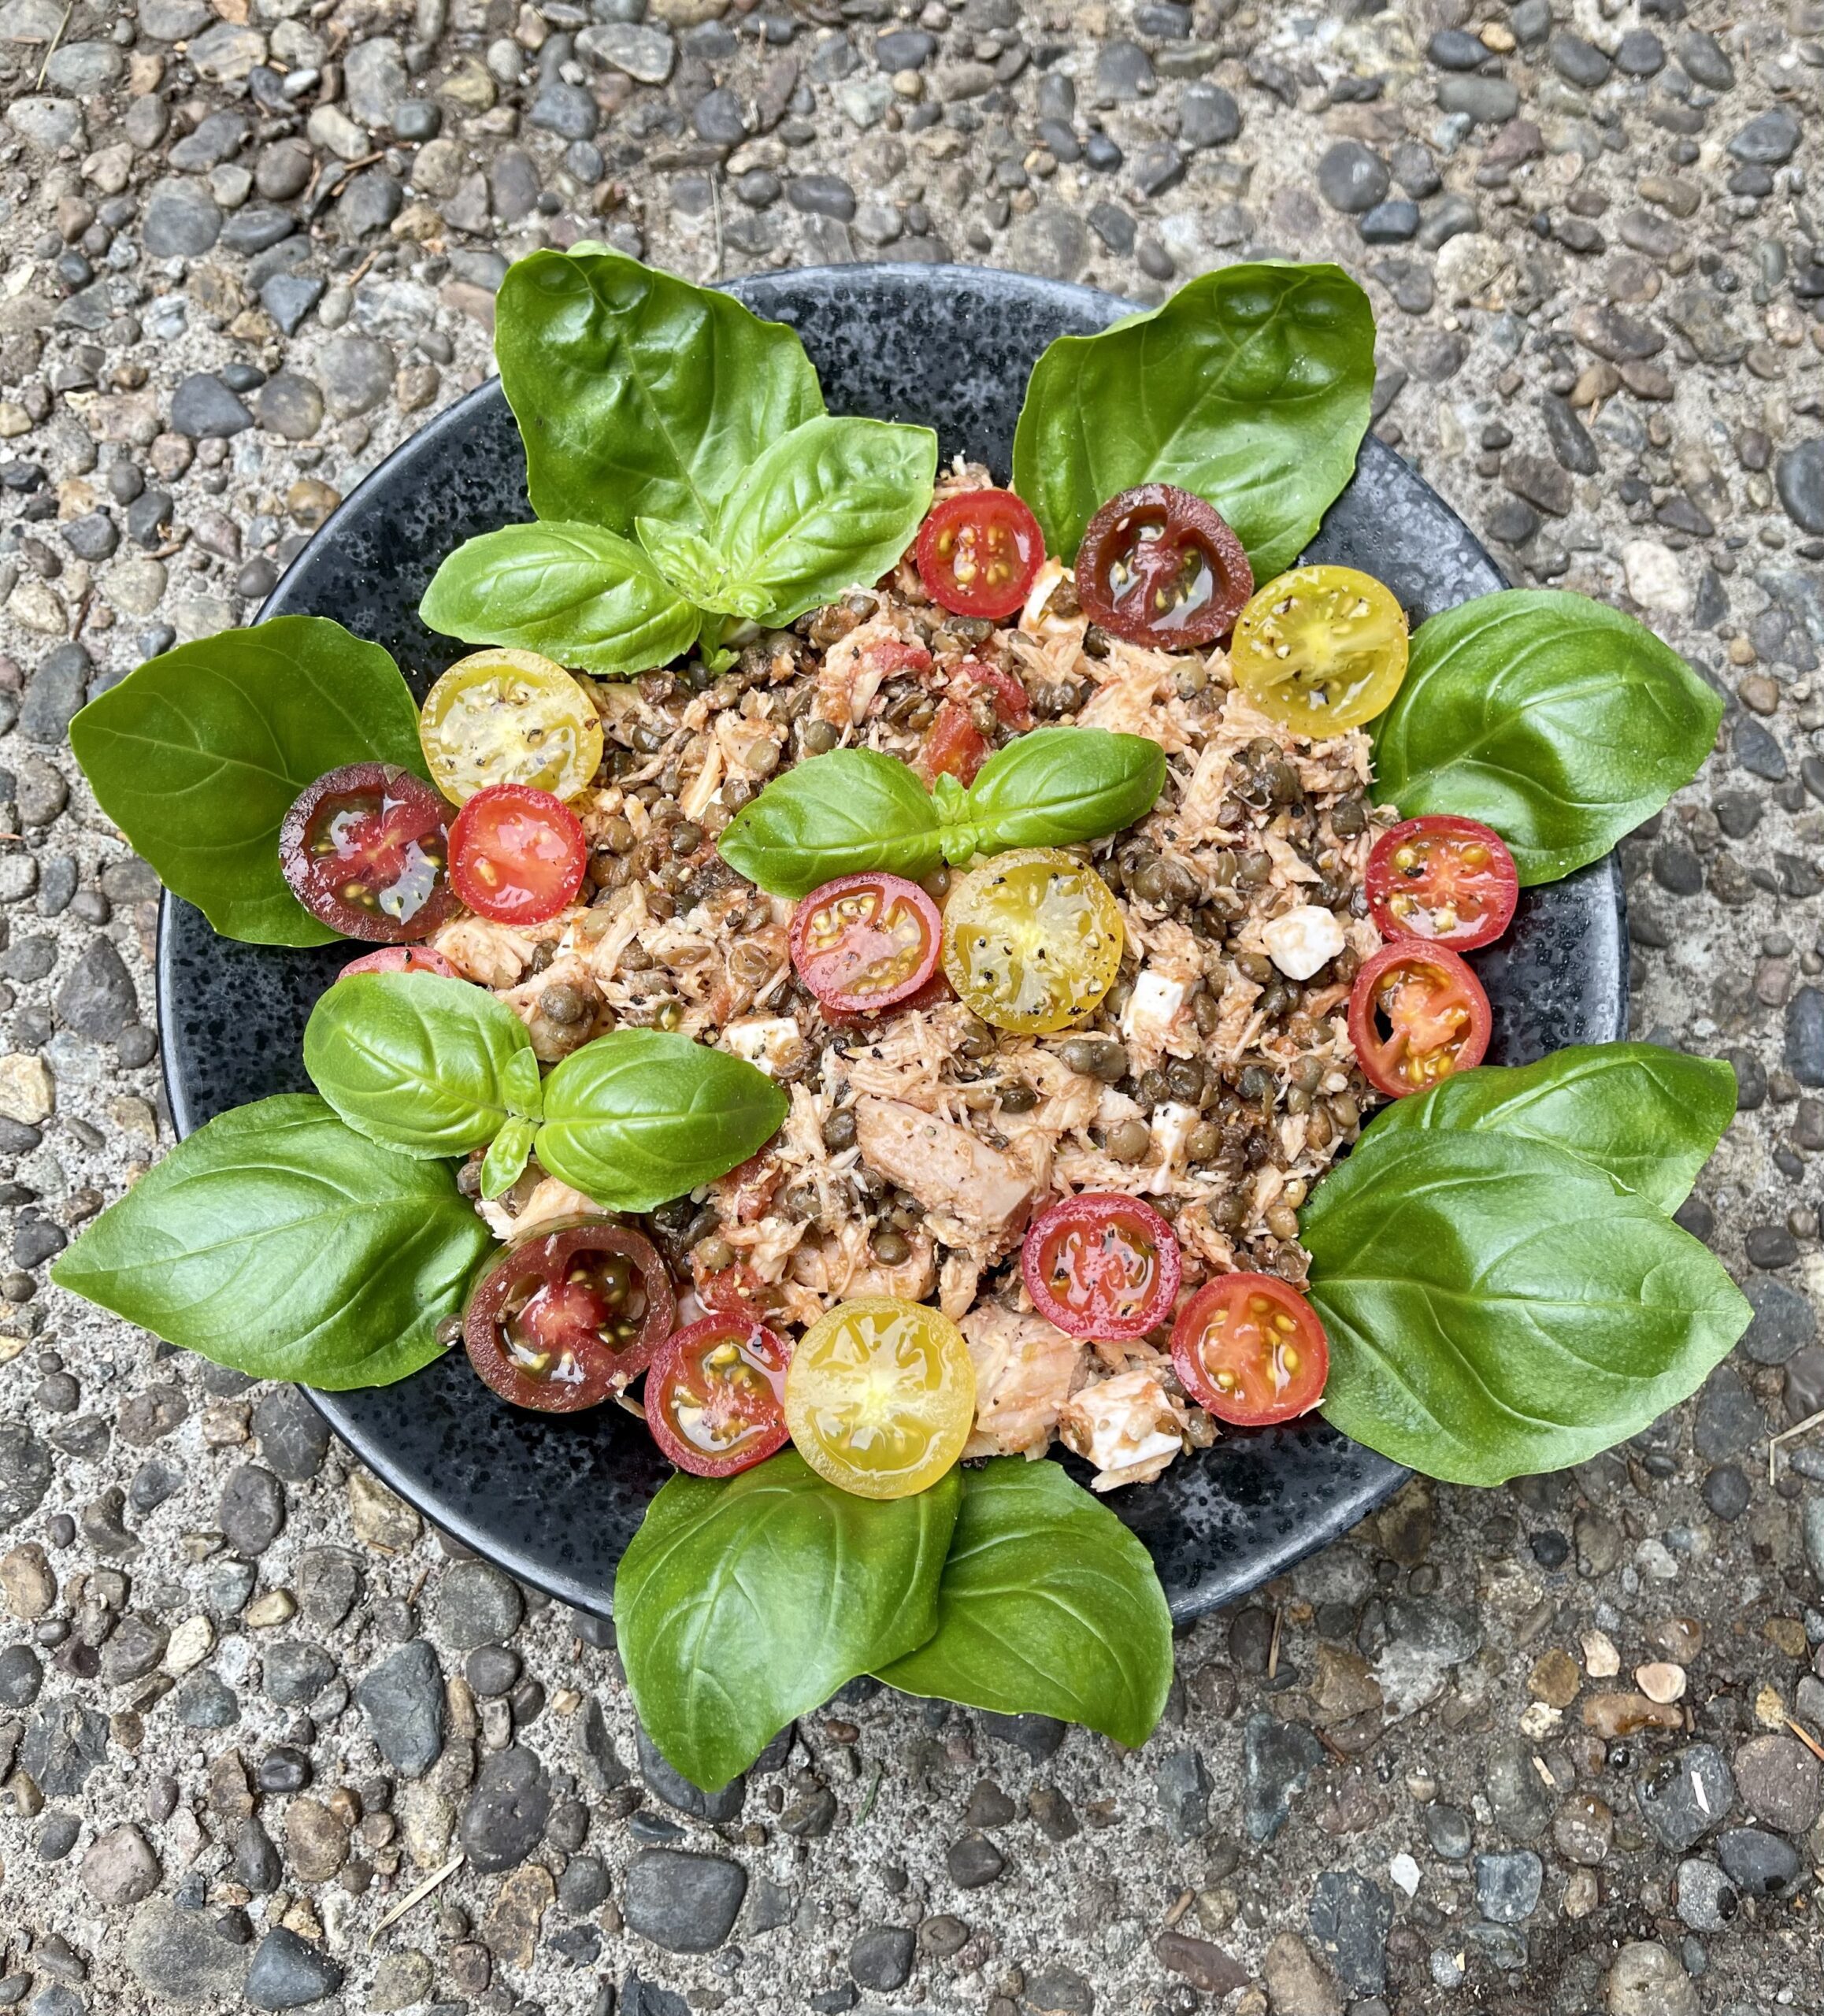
(1651, 1117)
(280, 1242)
(1048, 1605)
(1057, 786)
(414, 1061)
(1557, 721)
(579, 594)
(637, 394)
(198, 756)
(831, 815)
(740, 1605)
(1250, 387)
(1497, 1307)
(832, 505)
(641, 1116)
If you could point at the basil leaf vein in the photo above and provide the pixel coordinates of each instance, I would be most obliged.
(416, 1061)
(641, 1116)
(1556, 720)
(198, 755)
(576, 592)
(1048, 1605)
(280, 1242)
(742, 1603)
(1495, 1306)
(1252, 387)
(835, 814)
(1651, 1117)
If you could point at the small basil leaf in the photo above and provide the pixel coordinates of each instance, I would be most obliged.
(830, 505)
(742, 1604)
(1048, 1605)
(637, 394)
(521, 1086)
(949, 797)
(579, 594)
(1557, 721)
(281, 1242)
(696, 567)
(639, 1116)
(506, 1158)
(1651, 1117)
(962, 843)
(1497, 1307)
(414, 1061)
(1060, 785)
(1252, 387)
(835, 814)
(198, 755)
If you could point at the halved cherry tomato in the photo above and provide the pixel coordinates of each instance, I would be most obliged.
(402, 959)
(365, 849)
(1448, 881)
(1417, 1014)
(953, 746)
(864, 943)
(715, 1396)
(881, 1396)
(979, 552)
(1250, 1349)
(1033, 939)
(1159, 566)
(509, 717)
(1321, 648)
(1101, 1265)
(569, 1316)
(516, 856)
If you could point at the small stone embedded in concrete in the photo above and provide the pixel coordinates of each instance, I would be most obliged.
(684, 1902)
(402, 1699)
(504, 1815)
(120, 1868)
(289, 1972)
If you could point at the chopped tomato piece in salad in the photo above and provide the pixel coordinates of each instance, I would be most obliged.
(953, 746)
(402, 959)
(1417, 1014)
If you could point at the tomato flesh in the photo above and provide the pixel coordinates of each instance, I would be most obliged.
(953, 746)
(1321, 648)
(732, 1292)
(509, 717)
(1160, 566)
(517, 855)
(1250, 1348)
(979, 553)
(879, 1397)
(402, 959)
(864, 943)
(1101, 1265)
(1005, 690)
(569, 1316)
(1448, 881)
(1417, 1014)
(715, 1396)
(1033, 939)
(365, 851)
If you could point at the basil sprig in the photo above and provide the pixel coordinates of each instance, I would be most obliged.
(1556, 720)
(854, 809)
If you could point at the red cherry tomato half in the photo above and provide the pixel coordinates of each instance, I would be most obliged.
(715, 1396)
(569, 1316)
(1159, 566)
(979, 553)
(1101, 1265)
(864, 943)
(1250, 1349)
(1450, 881)
(516, 854)
(365, 849)
(1417, 1014)
(402, 959)
(953, 746)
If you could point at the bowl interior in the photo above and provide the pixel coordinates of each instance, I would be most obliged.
(555, 1499)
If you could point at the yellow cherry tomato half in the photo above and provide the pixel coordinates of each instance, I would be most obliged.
(1321, 648)
(879, 1396)
(506, 716)
(1032, 939)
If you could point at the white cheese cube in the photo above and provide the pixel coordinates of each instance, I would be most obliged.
(763, 1040)
(1302, 940)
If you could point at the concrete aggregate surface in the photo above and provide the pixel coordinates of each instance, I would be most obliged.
(1552, 1748)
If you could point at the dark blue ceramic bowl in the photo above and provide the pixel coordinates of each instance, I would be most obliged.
(554, 1499)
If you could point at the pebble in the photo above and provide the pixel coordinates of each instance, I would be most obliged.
(28, 1580)
(1350, 178)
(974, 1860)
(1185, 1786)
(1350, 1916)
(1519, 1799)
(1297, 1982)
(821, 195)
(881, 1959)
(677, 1791)
(1583, 1828)
(1208, 117)
(503, 1818)
(251, 1508)
(204, 409)
(288, 1973)
(1799, 478)
(645, 52)
(476, 1604)
(402, 1699)
(1278, 1760)
(685, 1903)
(21, 1676)
(97, 997)
(120, 1868)
(1767, 140)
(1780, 1782)
(356, 374)
(1646, 1980)
(1508, 1886)
(177, 1956)
(1686, 1795)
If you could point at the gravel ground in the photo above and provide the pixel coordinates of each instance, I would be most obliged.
(1547, 1749)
